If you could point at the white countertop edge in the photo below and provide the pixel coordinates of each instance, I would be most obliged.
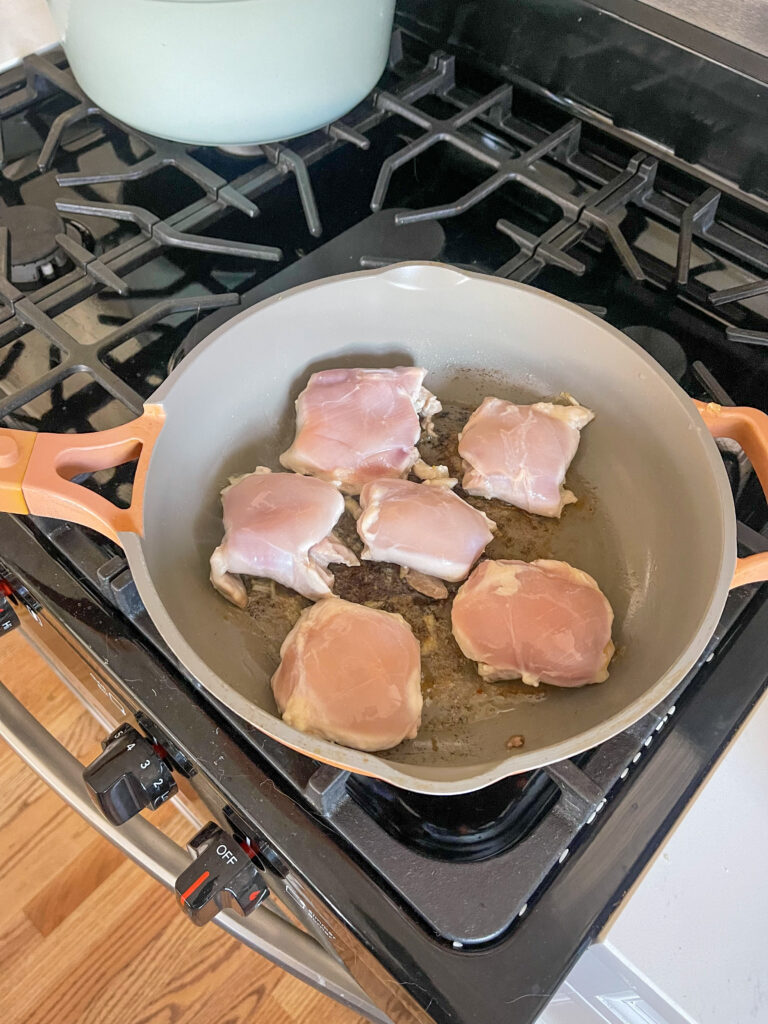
(694, 927)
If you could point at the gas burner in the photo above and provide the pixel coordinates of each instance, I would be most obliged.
(35, 253)
(663, 347)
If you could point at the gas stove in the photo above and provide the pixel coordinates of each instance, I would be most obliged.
(120, 252)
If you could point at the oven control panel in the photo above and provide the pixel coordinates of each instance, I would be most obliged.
(129, 775)
(223, 875)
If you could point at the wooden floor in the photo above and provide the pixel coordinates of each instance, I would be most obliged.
(85, 936)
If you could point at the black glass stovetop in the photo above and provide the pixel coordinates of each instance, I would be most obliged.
(121, 246)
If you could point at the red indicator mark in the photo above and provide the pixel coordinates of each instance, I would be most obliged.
(195, 884)
(250, 850)
(255, 895)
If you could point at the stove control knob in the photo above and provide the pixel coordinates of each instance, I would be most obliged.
(8, 618)
(222, 875)
(128, 776)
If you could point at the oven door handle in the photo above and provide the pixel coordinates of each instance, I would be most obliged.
(264, 932)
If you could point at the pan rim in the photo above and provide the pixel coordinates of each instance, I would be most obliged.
(473, 777)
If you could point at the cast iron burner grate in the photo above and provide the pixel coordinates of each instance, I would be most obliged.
(609, 201)
(595, 198)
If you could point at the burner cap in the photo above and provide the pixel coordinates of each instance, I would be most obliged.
(250, 151)
(663, 347)
(34, 251)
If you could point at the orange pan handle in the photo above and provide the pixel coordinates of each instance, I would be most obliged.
(36, 473)
(749, 428)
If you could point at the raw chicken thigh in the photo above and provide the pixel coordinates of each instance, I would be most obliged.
(541, 621)
(521, 453)
(351, 674)
(425, 528)
(358, 425)
(279, 525)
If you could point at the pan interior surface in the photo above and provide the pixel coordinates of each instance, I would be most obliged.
(659, 541)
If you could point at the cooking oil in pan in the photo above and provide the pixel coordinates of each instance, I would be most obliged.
(456, 699)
